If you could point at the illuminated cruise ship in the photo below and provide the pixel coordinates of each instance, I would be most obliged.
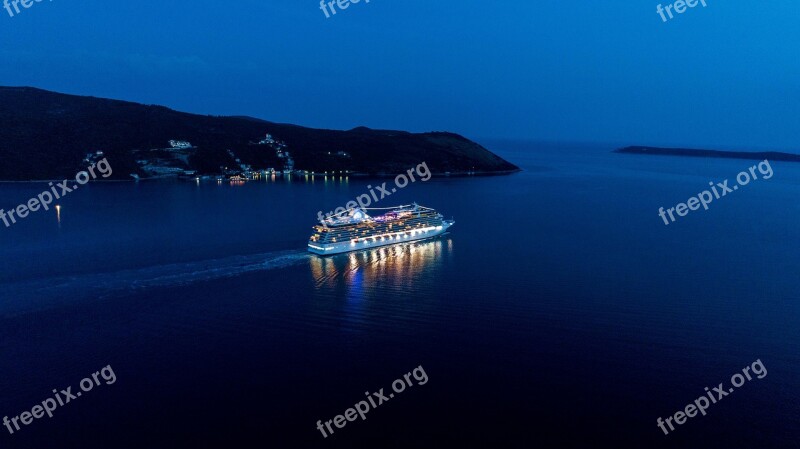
(354, 229)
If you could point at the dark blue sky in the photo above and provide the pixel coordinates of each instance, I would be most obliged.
(612, 71)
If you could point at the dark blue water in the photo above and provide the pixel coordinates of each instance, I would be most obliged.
(558, 312)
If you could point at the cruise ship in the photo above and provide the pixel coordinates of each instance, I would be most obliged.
(355, 229)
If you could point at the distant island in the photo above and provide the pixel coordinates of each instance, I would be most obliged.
(770, 155)
(48, 135)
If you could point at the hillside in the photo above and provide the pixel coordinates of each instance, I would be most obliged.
(47, 135)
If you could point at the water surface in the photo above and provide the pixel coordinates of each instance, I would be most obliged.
(559, 310)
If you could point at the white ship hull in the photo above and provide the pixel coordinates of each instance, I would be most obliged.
(384, 240)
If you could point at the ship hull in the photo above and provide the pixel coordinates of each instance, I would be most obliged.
(375, 242)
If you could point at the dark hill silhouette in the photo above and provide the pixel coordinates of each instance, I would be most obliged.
(46, 135)
(690, 152)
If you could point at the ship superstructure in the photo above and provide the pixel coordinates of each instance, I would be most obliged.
(355, 229)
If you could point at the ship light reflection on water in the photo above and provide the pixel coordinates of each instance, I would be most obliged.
(362, 272)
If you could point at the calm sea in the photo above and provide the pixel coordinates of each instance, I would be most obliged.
(559, 311)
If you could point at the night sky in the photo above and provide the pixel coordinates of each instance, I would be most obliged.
(725, 75)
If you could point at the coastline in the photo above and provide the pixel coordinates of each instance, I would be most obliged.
(355, 175)
(715, 154)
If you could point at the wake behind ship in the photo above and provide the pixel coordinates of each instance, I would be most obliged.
(354, 229)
